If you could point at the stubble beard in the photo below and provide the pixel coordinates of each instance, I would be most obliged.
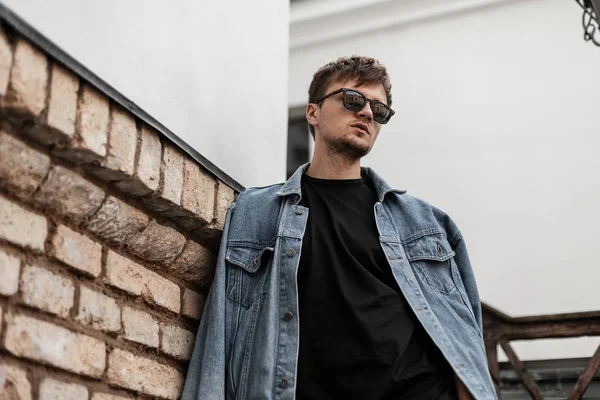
(346, 148)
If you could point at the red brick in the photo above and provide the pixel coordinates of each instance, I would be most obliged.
(10, 268)
(6, 58)
(126, 275)
(140, 327)
(116, 222)
(52, 389)
(14, 384)
(176, 342)
(26, 94)
(47, 291)
(157, 243)
(22, 168)
(147, 176)
(193, 304)
(77, 250)
(22, 227)
(119, 163)
(59, 122)
(195, 263)
(69, 195)
(50, 344)
(98, 310)
(133, 372)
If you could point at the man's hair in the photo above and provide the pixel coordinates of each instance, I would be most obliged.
(364, 70)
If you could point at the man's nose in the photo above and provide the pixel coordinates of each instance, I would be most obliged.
(366, 112)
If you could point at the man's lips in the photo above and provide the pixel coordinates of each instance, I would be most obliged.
(362, 126)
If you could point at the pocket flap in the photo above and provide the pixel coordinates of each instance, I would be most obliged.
(249, 258)
(430, 247)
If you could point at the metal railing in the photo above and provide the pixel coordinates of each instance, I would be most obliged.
(501, 329)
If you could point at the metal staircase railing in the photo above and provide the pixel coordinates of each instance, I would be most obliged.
(500, 329)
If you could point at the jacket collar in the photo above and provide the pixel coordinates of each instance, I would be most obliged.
(293, 185)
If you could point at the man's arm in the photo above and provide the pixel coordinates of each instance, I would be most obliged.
(206, 373)
(468, 278)
(462, 391)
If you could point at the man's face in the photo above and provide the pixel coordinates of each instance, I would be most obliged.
(342, 131)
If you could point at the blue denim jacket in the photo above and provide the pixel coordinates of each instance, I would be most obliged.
(247, 343)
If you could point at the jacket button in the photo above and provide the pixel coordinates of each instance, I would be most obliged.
(284, 383)
(291, 252)
(299, 211)
(288, 316)
(440, 250)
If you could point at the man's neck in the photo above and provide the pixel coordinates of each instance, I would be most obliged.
(328, 167)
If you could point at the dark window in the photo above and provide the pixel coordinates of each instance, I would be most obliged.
(297, 144)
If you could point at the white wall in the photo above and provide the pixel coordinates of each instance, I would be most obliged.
(215, 73)
(497, 124)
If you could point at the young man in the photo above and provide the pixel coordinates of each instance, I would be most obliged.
(336, 286)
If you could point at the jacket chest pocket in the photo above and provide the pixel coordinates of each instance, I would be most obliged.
(432, 259)
(247, 271)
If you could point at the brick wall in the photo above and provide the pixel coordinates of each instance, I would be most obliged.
(108, 235)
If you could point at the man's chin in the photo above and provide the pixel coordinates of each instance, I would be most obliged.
(352, 149)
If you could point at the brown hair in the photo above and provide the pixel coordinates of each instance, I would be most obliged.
(363, 69)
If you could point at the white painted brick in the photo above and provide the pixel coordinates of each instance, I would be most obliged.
(225, 196)
(59, 124)
(157, 243)
(126, 275)
(177, 342)
(14, 384)
(133, 372)
(22, 227)
(106, 396)
(98, 310)
(173, 174)
(22, 168)
(6, 58)
(92, 123)
(198, 195)
(69, 195)
(47, 290)
(193, 304)
(9, 271)
(51, 344)
(26, 94)
(52, 389)
(147, 177)
(76, 250)
(140, 327)
(120, 158)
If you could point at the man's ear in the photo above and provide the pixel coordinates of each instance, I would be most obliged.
(312, 114)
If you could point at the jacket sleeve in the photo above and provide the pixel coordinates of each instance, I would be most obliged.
(206, 372)
(467, 275)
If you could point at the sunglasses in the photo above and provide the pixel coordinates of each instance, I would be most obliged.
(356, 101)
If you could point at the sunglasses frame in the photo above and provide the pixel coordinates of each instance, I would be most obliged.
(370, 101)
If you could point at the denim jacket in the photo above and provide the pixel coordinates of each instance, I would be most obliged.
(247, 342)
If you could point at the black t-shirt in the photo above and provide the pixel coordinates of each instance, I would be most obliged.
(359, 338)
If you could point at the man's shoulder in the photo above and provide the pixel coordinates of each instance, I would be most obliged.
(256, 214)
(423, 215)
(263, 200)
(415, 203)
(260, 194)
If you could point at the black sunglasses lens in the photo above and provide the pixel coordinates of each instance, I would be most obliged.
(381, 112)
(354, 101)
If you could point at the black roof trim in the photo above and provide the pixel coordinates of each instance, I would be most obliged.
(31, 34)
